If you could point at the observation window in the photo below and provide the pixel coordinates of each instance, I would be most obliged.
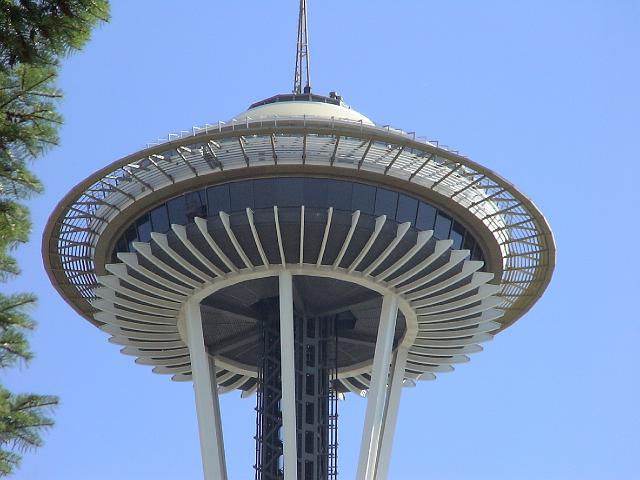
(264, 193)
(241, 194)
(407, 209)
(443, 227)
(363, 198)
(196, 204)
(315, 193)
(218, 199)
(339, 194)
(160, 219)
(131, 235)
(177, 208)
(457, 235)
(144, 228)
(289, 192)
(386, 203)
(426, 216)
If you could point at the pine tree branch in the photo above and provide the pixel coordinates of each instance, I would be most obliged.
(25, 90)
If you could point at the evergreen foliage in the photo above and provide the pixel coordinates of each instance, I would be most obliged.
(34, 36)
(40, 32)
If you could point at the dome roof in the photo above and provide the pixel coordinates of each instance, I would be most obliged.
(300, 105)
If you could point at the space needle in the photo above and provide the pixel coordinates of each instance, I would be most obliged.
(299, 253)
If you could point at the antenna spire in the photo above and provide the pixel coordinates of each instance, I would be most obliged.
(302, 55)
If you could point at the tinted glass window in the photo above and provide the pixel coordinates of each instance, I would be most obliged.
(457, 235)
(386, 203)
(121, 246)
(290, 192)
(264, 193)
(457, 240)
(196, 204)
(407, 209)
(241, 196)
(160, 219)
(177, 208)
(426, 216)
(218, 199)
(144, 228)
(443, 226)
(339, 194)
(363, 199)
(469, 242)
(476, 254)
(131, 235)
(315, 192)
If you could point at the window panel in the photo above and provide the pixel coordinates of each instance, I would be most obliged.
(316, 191)
(407, 209)
(443, 227)
(264, 193)
(177, 208)
(386, 203)
(457, 240)
(477, 253)
(469, 242)
(363, 199)
(290, 192)
(241, 196)
(339, 194)
(144, 228)
(426, 216)
(457, 235)
(218, 199)
(121, 246)
(196, 204)
(160, 219)
(131, 235)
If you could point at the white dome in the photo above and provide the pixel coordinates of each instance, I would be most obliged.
(298, 109)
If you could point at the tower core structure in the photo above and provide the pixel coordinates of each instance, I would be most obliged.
(299, 253)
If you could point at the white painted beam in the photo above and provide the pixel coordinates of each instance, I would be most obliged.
(377, 397)
(206, 393)
(288, 376)
(391, 414)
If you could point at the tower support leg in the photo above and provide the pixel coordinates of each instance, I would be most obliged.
(288, 376)
(391, 414)
(206, 392)
(378, 398)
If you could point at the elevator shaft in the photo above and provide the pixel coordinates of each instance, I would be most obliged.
(316, 401)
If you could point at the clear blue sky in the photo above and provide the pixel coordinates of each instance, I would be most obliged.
(546, 93)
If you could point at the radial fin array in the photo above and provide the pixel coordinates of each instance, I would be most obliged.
(451, 304)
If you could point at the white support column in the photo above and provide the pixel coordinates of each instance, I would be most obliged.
(288, 376)
(391, 414)
(206, 393)
(377, 397)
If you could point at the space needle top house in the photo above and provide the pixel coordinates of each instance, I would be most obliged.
(300, 252)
